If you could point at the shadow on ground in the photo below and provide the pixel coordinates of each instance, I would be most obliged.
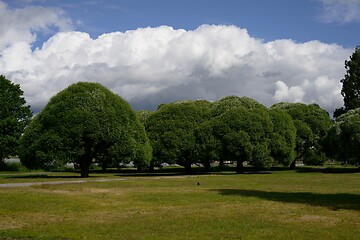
(181, 171)
(327, 170)
(37, 176)
(331, 201)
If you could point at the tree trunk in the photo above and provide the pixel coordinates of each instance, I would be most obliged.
(2, 164)
(188, 168)
(84, 166)
(207, 166)
(103, 167)
(292, 165)
(221, 164)
(84, 172)
(151, 167)
(86, 159)
(239, 167)
(2, 161)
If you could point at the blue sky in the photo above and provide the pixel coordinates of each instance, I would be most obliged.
(158, 51)
(301, 21)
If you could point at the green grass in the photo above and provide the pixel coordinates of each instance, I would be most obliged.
(278, 205)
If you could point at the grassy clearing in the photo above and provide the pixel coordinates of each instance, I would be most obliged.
(278, 205)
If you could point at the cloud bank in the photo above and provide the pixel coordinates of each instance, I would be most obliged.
(149, 66)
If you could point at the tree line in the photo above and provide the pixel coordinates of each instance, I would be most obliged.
(87, 123)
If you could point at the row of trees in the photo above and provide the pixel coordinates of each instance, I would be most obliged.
(236, 129)
(87, 122)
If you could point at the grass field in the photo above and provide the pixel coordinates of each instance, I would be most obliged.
(268, 205)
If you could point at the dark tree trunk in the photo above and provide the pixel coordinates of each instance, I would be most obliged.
(188, 168)
(84, 166)
(221, 164)
(292, 165)
(86, 159)
(2, 161)
(239, 167)
(103, 167)
(207, 166)
(151, 167)
(84, 172)
(2, 164)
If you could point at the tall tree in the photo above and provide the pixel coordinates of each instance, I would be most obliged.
(312, 123)
(351, 84)
(14, 117)
(342, 141)
(244, 136)
(85, 123)
(171, 130)
(222, 106)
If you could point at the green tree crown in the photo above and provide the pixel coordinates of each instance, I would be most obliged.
(350, 84)
(14, 117)
(83, 123)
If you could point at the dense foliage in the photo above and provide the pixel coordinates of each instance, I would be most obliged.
(171, 130)
(82, 124)
(231, 102)
(312, 123)
(342, 141)
(14, 117)
(143, 115)
(244, 136)
(237, 129)
(351, 84)
(231, 129)
(283, 137)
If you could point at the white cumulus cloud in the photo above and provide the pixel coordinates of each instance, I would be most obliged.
(21, 25)
(149, 66)
(340, 11)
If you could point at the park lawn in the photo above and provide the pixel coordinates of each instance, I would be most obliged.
(276, 205)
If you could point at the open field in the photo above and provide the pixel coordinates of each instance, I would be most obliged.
(276, 205)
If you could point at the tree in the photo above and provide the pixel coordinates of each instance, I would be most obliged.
(342, 141)
(244, 136)
(283, 137)
(171, 130)
(14, 117)
(350, 84)
(85, 123)
(225, 104)
(312, 123)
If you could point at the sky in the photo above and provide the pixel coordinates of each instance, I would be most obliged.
(159, 51)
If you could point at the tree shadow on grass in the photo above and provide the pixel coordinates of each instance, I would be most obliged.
(179, 171)
(335, 170)
(332, 201)
(37, 176)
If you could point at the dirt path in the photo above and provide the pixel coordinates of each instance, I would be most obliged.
(29, 184)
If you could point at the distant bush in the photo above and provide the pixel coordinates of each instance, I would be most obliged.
(314, 158)
(13, 167)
